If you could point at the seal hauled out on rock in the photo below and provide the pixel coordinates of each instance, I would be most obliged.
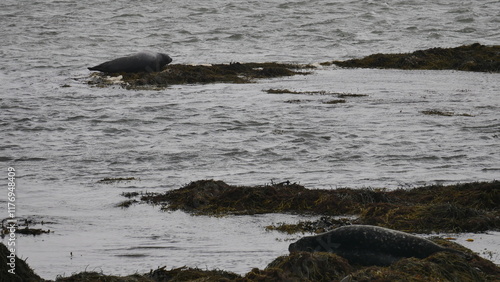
(369, 245)
(139, 62)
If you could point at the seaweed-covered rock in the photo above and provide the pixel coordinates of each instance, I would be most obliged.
(442, 266)
(192, 74)
(475, 57)
(303, 266)
(191, 274)
(100, 277)
(13, 269)
(469, 207)
(438, 267)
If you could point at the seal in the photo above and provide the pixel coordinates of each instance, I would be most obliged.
(139, 62)
(369, 245)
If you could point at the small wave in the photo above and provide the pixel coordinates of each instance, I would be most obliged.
(132, 255)
(114, 131)
(5, 159)
(75, 118)
(128, 16)
(490, 169)
(467, 30)
(465, 19)
(30, 159)
(237, 36)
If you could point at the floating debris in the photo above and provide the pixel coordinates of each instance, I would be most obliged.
(126, 204)
(23, 226)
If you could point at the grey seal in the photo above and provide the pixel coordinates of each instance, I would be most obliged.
(139, 62)
(369, 245)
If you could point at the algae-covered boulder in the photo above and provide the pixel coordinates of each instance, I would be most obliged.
(197, 74)
(475, 57)
(303, 266)
(320, 266)
(468, 207)
(13, 269)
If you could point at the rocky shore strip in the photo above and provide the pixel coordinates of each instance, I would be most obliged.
(467, 207)
(475, 57)
(299, 266)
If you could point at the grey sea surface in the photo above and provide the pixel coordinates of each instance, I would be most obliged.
(62, 140)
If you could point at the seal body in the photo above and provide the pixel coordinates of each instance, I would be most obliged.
(369, 245)
(139, 62)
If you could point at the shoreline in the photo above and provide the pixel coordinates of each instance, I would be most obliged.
(300, 266)
(304, 266)
(474, 57)
(467, 207)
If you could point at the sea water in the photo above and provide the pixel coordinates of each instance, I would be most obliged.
(62, 136)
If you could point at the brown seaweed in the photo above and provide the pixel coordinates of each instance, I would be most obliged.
(475, 57)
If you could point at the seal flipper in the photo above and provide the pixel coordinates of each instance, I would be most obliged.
(106, 67)
(460, 253)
